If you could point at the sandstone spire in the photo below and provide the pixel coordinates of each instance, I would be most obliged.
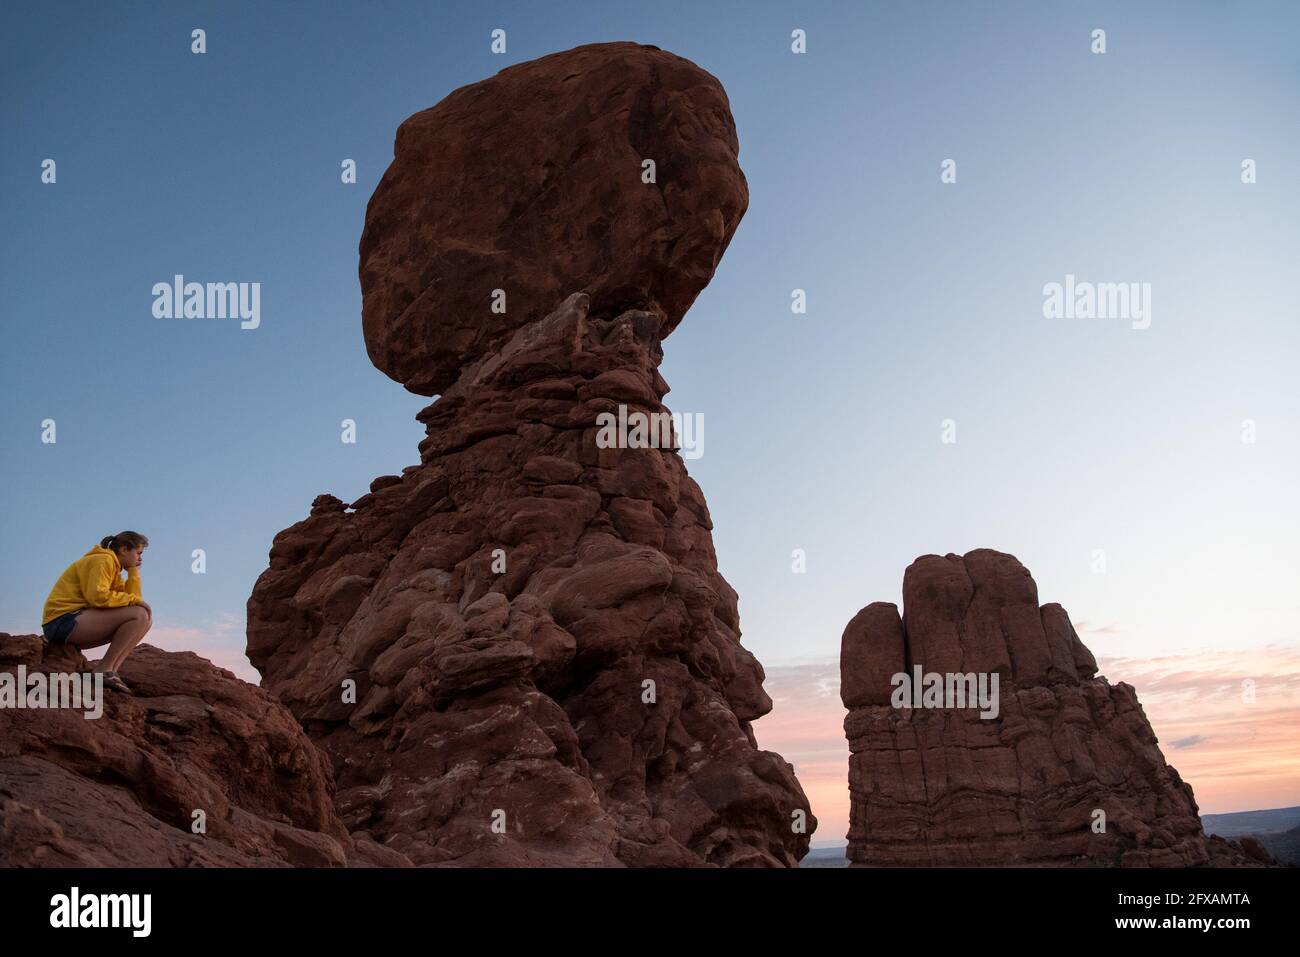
(546, 661)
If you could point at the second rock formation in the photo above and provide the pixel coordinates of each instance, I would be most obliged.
(1069, 772)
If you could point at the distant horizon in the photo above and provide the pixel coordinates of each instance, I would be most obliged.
(834, 845)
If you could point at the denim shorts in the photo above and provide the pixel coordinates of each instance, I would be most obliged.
(58, 629)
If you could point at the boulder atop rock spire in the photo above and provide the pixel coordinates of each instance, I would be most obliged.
(538, 182)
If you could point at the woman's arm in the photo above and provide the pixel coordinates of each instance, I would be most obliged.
(132, 584)
(97, 588)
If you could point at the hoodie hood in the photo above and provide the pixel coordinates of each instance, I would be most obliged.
(101, 550)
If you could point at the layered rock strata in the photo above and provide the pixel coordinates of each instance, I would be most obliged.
(1068, 772)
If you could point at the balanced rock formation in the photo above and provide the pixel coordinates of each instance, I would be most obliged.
(1069, 771)
(520, 651)
(533, 182)
(121, 789)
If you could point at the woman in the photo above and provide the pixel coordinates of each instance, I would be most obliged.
(90, 605)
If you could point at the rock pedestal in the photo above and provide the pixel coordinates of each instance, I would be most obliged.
(520, 651)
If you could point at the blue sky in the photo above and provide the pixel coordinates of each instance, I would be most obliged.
(822, 431)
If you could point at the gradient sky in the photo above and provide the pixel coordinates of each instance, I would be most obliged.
(822, 431)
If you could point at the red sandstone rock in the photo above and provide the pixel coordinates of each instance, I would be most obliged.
(120, 790)
(531, 182)
(945, 786)
(546, 662)
(515, 696)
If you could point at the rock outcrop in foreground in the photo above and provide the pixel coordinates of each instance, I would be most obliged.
(945, 786)
(120, 790)
(520, 651)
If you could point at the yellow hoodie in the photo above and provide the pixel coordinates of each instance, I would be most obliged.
(93, 581)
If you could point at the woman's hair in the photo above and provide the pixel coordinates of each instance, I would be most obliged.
(123, 540)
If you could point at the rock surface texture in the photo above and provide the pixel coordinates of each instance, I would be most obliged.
(946, 787)
(520, 651)
(121, 789)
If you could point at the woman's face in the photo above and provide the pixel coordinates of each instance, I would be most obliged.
(131, 557)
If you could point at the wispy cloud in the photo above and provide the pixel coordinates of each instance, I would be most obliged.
(1088, 627)
(1232, 717)
(220, 640)
(1243, 710)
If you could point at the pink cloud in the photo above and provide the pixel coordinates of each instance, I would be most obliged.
(1242, 711)
(1237, 754)
(219, 640)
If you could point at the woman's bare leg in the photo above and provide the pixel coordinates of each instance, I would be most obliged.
(122, 646)
(119, 628)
